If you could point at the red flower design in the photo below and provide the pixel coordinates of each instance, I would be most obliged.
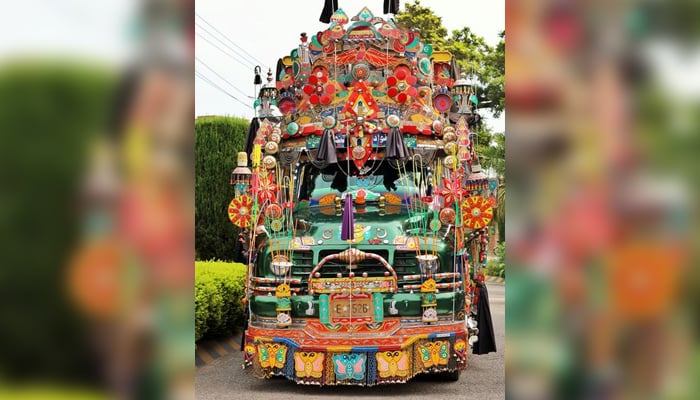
(401, 84)
(318, 89)
(451, 191)
(267, 189)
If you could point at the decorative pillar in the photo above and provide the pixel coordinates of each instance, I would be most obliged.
(284, 305)
(429, 301)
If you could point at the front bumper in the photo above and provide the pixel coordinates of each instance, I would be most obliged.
(386, 354)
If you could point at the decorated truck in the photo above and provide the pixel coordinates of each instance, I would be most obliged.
(363, 211)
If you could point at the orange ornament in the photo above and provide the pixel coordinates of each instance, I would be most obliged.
(239, 211)
(476, 212)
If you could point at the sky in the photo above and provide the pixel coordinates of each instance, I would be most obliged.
(77, 29)
(268, 30)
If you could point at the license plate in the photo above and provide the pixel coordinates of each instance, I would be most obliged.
(356, 309)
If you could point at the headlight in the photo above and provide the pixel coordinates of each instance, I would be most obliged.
(280, 265)
(428, 264)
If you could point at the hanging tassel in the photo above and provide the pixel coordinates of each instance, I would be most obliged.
(391, 6)
(329, 7)
(326, 148)
(395, 147)
(258, 79)
(347, 227)
(279, 69)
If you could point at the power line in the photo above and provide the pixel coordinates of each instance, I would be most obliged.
(222, 50)
(214, 85)
(222, 78)
(242, 57)
(231, 41)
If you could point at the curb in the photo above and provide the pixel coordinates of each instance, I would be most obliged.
(494, 279)
(209, 350)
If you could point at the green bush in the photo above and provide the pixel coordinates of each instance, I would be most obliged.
(218, 290)
(494, 268)
(497, 267)
(217, 142)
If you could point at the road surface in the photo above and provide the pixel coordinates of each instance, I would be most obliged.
(484, 378)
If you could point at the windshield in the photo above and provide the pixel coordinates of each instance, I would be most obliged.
(317, 183)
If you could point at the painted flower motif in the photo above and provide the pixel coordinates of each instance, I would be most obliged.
(239, 211)
(318, 89)
(451, 191)
(401, 84)
(476, 212)
(267, 189)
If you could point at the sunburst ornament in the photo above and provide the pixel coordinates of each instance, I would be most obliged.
(239, 211)
(476, 212)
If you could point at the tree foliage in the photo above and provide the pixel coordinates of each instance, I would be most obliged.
(474, 56)
(217, 141)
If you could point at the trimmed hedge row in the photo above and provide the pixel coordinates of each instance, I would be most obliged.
(218, 290)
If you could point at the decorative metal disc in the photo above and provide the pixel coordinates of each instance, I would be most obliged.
(271, 147)
(292, 128)
(275, 137)
(449, 134)
(360, 71)
(447, 216)
(273, 211)
(451, 148)
(269, 162)
(287, 106)
(277, 224)
(393, 120)
(435, 225)
(329, 122)
(442, 102)
(358, 152)
(437, 126)
(450, 162)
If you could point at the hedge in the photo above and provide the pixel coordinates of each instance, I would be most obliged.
(51, 111)
(217, 296)
(217, 142)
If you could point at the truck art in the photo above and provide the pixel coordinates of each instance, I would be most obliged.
(363, 210)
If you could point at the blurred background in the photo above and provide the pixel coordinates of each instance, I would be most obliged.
(96, 199)
(96, 193)
(603, 101)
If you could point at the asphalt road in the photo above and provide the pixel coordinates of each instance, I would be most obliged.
(484, 378)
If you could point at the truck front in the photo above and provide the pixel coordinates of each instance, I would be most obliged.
(364, 211)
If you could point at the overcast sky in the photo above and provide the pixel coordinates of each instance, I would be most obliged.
(270, 29)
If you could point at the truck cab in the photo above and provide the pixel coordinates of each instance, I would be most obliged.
(363, 211)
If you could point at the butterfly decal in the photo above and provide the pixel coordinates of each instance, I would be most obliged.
(392, 363)
(249, 352)
(434, 353)
(349, 366)
(460, 347)
(272, 355)
(308, 364)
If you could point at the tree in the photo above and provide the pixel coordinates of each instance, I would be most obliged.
(424, 20)
(217, 142)
(473, 55)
